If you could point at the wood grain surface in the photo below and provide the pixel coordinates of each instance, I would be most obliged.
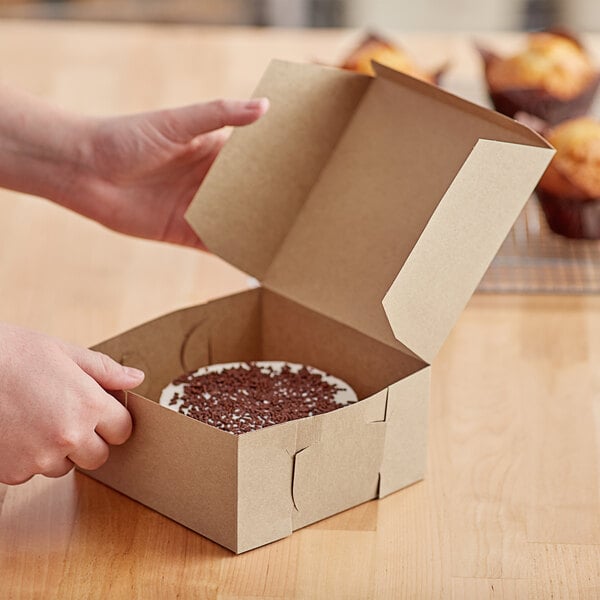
(510, 507)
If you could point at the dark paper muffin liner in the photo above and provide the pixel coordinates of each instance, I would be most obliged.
(538, 101)
(571, 218)
(544, 105)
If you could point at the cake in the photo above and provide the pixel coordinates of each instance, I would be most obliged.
(569, 191)
(553, 78)
(378, 49)
(245, 396)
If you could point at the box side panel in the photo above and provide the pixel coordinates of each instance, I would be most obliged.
(461, 239)
(180, 467)
(265, 468)
(340, 468)
(235, 332)
(297, 334)
(253, 192)
(223, 330)
(405, 449)
(392, 166)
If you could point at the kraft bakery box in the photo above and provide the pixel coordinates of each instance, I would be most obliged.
(369, 209)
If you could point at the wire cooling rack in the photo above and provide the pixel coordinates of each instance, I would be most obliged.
(534, 260)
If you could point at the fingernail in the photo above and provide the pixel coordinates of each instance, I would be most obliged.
(258, 103)
(134, 373)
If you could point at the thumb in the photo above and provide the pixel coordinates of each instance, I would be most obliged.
(107, 372)
(183, 124)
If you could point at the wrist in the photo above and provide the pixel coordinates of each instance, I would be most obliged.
(68, 165)
(59, 163)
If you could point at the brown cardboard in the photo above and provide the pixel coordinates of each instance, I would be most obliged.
(340, 467)
(273, 471)
(404, 451)
(275, 168)
(372, 200)
(369, 208)
(181, 470)
(440, 293)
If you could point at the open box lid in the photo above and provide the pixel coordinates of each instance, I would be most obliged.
(379, 202)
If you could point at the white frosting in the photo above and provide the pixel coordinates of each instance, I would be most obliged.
(343, 396)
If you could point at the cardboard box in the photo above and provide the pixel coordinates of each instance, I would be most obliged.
(350, 191)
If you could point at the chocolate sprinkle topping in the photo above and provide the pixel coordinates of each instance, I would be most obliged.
(249, 397)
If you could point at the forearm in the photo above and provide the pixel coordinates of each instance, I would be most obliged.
(41, 147)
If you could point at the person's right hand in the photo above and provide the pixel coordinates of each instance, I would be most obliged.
(54, 410)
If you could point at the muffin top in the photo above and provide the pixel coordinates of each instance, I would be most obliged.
(575, 169)
(387, 54)
(551, 62)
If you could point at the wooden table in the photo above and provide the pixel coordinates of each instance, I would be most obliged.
(510, 506)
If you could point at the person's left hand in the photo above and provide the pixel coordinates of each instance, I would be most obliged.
(139, 173)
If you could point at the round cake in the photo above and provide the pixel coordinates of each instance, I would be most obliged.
(569, 191)
(552, 78)
(244, 396)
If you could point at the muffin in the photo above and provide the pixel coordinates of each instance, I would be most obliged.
(569, 191)
(553, 78)
(242, 397)
(375, 48)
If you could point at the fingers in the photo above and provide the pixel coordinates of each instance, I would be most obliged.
(107, 372)
(12, 479)
(87, 448)
(60, 415)
(91, 454)
(202, 118)
(58, 468)
(208, 145)
(183, 124)
(115, 423)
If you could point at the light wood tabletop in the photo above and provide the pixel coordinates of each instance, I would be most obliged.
(510, 507)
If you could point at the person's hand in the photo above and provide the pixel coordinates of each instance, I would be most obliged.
(139, 173)
(54, 410)
(136, 174)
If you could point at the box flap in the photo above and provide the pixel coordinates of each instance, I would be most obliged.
(340, 467)
(384, 170)
(405, 449)
(252, 194)
(453, 253)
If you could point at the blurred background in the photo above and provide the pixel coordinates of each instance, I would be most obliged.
(426, 15)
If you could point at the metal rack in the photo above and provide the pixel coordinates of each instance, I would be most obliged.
(534, 260)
